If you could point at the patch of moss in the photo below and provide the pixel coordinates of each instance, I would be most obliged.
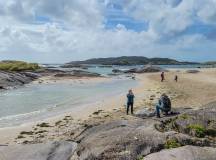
(184, 116)
(140, 158)
(199, 130)
(172, 143)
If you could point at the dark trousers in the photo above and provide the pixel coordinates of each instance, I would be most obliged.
(158, 108)
(128, 106)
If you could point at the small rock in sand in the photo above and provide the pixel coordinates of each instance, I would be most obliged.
(44, 125)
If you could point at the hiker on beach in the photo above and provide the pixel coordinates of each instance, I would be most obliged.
(130, 101)
(162, 77)
(176, 78)
(164, 104)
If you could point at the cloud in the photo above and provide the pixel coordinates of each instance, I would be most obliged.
(61, 31)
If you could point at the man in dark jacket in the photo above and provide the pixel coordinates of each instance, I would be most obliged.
(130, 101)
(164, 105)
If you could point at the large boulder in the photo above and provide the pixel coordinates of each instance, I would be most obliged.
(12, 79)
(185, 153)
(49, 151)
(123, 139)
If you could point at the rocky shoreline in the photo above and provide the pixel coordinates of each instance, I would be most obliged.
(104, 137)
(10, 80)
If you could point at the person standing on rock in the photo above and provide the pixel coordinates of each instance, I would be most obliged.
(164, 104)
(162, 77)
(130, 101)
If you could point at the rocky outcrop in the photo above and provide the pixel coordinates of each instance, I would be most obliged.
(50, 151)
(197, 123)
(120, 140)
(77, 73)
(185, 153)
(74, 66)
(146, 69)
(137, 138)
(12, 79)
(49, 71)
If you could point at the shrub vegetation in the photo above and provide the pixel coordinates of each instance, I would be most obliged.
(18, 66)
(172, 143)
(200, 131)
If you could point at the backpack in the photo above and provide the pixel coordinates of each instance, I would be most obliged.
(166, 103)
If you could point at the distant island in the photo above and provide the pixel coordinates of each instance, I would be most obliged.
(210, 63)
(131, 60)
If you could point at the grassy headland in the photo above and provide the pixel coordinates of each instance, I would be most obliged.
(17, 66)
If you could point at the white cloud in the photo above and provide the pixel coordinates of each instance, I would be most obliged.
(207, 11)
(60, 31)
(164, 17)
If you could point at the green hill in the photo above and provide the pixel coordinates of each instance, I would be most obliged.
(131, 60)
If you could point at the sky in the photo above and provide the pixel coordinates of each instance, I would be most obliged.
(58, 31)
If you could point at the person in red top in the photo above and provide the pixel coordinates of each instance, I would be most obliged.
(176, 78)
(162, 77)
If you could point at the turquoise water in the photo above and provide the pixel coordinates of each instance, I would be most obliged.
(39, 101)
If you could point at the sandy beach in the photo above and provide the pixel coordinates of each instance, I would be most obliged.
(192, 90)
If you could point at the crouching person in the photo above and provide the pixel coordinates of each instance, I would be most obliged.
(164, 104)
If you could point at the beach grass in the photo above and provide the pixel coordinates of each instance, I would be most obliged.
(18, 66)
(172, 143)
